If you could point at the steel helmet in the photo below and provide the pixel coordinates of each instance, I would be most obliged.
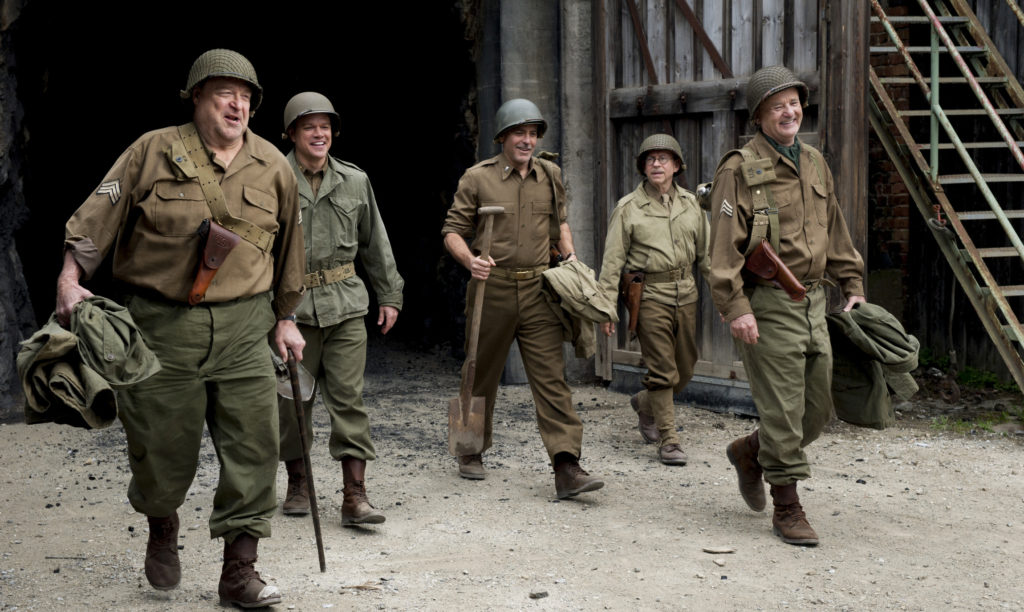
(769, 81)
(659, 142)
(309, 103)
(223, 63)
(519, 111)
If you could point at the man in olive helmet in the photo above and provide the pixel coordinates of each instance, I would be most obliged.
(156, 206)
(780, 190)
(660, 230)
(514, 307)
(340, 220)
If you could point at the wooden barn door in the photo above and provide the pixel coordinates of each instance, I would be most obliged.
(681, 67)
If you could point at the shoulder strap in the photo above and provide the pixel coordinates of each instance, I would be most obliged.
(758, 173)
(183, 155)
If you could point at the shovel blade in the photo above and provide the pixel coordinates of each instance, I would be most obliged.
(466, 426)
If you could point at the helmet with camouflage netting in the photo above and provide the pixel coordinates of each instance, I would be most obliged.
(659, 142)
(769, 81)
(223, 63)
(309, 103)
(519, 111)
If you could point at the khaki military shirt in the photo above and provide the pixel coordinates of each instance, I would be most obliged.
(813, 236)
(341, 221)
(522, 235)
(149, 213)
(646, 234)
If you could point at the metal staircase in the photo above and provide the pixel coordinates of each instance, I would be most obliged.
(960, 158)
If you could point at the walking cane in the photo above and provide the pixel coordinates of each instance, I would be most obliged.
(293, 373)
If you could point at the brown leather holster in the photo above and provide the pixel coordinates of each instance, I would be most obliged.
(631, 287)
(765, 263)
(218, 244)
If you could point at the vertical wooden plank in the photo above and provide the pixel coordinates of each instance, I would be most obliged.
(657, 26)
(712, 20)
(604, 53)
(773, 22)
(742, 28)
(632, 60)
(805, 36)
(682, 63)
(844, 131)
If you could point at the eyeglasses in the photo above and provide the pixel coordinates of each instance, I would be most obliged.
(661, 159)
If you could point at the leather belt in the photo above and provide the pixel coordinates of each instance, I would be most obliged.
(518, 273)
(333, 275)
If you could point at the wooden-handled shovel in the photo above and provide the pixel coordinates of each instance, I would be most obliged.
(466, 413)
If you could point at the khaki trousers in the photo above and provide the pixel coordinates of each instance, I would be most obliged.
(518, 310)
(790, 374)
(336, 357)
(216, 369)
(668, 343)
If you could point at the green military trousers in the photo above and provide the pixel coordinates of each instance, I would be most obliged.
(668, 344)
(790, 374)
(517, 310)
(336, 356)
(216, 369)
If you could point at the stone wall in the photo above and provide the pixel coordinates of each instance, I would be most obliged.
(18, 321)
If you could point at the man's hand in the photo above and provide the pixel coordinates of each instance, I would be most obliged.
(480, 269)
(287, 336)
(387, 317)
(608, 328)
(854, 299)
(744, 327)
(69, 291)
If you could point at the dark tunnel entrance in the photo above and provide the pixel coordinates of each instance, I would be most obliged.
(95, 76)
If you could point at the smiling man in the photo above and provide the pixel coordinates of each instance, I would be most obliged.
(168, 192)
(514, 307)
(340, 221)
(779, 189)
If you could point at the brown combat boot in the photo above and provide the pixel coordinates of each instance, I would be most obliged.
(742, 454)
(789, 521)
(240, 583)
(672, 454)
(296, 500)
(356, 508)
(645, 422)
(472, 467)
(163, 569)
(571, 479)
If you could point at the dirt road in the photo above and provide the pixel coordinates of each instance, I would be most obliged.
(909, 518)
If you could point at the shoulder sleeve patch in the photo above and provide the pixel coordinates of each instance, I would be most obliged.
(112, 189)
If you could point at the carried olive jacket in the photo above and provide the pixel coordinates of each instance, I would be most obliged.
(340, 222)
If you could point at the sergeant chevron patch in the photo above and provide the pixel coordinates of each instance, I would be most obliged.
(726, 207)
(112, 189)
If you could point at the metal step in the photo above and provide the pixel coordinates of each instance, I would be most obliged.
(962, 112)
(993, 252)
(962, 179)
(919, 49)
(985, 80)
(995, 144)
(988, 215)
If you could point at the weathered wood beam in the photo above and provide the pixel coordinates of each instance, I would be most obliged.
(687, 97)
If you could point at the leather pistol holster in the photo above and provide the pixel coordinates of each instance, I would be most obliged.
(218, 244)
(765, 263)
(631, 287)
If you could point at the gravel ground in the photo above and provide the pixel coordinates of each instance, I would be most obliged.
(911, 518)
